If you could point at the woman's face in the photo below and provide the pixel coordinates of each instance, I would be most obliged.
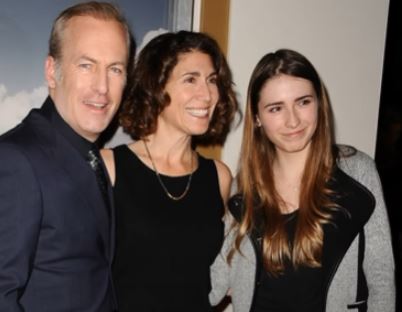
(193, 91)
(287, 112)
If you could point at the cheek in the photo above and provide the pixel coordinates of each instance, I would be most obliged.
(215, 94)
(313, 117)
(76, 86)
(269, 132)
(269, 121)
(269, 126)
(117, 87)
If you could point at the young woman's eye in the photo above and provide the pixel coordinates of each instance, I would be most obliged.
(274, 109)
(305, 102)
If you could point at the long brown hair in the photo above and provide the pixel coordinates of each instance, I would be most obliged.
(256, 182)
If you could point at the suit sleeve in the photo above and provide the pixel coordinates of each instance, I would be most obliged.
(20, 217)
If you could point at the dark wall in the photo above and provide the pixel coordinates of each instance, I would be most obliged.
(389, 136)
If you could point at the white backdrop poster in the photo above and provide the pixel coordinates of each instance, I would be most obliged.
(24, 31)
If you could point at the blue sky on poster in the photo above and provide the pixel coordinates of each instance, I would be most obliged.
(24, 32)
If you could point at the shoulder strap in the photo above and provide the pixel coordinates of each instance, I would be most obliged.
(362, 290)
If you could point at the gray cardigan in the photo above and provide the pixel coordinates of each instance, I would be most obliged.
(378, 263)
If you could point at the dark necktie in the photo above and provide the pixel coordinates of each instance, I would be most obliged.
(96, 165)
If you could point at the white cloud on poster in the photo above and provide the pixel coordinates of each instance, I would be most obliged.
(149, 36)
(14, 107)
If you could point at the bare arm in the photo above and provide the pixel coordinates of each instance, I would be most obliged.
(225, 179)
(108, 158)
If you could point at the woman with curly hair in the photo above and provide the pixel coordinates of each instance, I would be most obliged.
(169, 199)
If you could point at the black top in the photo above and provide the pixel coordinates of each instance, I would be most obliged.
(165, 247)
(298, 289)
(354, 205)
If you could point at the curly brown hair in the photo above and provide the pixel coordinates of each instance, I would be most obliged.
(146, 96)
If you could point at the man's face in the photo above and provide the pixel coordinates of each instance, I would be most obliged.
(87, 83)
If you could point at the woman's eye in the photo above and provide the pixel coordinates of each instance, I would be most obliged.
(305, 102)
(190, 80)
(213, 80)
(274, 109)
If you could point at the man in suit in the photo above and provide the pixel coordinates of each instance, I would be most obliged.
(56, 224)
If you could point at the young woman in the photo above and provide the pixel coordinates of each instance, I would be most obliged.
(312, 231)
(169, 200)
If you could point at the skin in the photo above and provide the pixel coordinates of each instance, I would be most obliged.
(287, 112)
(87, 83)
(194, 94)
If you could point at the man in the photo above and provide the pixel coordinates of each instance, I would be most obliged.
(56, 224)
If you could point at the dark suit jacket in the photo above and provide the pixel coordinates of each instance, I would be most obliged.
(56, 239)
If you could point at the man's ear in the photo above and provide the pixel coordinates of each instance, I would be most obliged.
(50, 72)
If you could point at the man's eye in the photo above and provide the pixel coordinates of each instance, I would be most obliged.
(85, 66)
(117, 70)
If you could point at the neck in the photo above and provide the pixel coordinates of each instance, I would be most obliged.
(168, 156)
(168, 148)
(290, 167)
(165, 189)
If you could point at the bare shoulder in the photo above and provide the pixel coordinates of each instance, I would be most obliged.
(137, 147)
(108, 158)
(225, 178)
(223, 169)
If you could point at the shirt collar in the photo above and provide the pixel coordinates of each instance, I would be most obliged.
(78, 142)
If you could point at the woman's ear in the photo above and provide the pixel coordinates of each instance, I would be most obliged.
(257, 121)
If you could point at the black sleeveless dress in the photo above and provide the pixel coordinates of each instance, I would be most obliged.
(164, 248)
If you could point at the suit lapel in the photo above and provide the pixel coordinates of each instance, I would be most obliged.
(78, 171)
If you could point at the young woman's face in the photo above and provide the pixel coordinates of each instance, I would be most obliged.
(193, 92)
(287, 112)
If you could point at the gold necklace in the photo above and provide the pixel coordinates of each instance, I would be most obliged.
(160, 179)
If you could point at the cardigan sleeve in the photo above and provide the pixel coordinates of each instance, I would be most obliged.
(220, 270)
(378, 262)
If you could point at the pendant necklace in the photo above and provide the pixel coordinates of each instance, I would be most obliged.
(168, 194)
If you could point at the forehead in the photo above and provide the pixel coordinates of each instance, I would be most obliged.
(87, 32)
(281, 87)
(193, 59)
